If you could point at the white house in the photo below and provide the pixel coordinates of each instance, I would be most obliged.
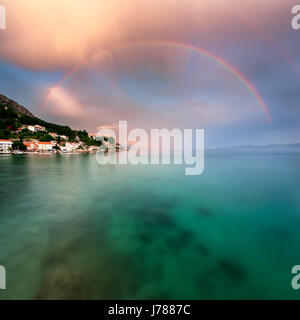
(39, 128)
(45, 146)
(53, 135)
(5, 146)
(71, 146)
(32, 128)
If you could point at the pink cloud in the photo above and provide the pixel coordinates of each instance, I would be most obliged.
(66, 33)
(63, 104)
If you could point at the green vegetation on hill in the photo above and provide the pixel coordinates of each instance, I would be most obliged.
(50, 127)
(19, 145)
(11, 120)
(84, 137)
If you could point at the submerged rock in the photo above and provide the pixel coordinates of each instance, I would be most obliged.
(204, 212)
(232, 269)
(65, 284)
(179, 240)
(202, 249)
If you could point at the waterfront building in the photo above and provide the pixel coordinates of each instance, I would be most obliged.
(44, 146)
(5, 146)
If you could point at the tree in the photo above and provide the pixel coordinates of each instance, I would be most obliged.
(4, 134)
(19, 145)
(46, 138)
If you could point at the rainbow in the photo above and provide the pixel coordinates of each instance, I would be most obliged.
(237, 74)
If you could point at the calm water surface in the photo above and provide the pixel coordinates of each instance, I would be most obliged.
(70, 228)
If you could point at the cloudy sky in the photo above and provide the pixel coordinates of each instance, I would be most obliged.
(231, 67)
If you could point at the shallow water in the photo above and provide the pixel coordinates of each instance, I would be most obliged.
(72, 229)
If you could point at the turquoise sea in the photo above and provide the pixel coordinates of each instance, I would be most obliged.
(73, 229)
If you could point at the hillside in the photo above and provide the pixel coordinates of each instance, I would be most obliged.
(13, 116)
(17, 108)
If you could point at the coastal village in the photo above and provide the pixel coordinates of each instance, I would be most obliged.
(21, 132)
(58, 144)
